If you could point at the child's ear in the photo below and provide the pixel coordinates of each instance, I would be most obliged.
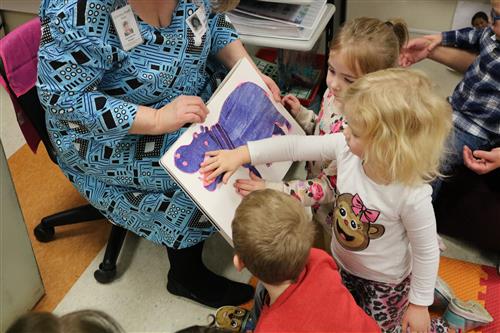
(238, 263)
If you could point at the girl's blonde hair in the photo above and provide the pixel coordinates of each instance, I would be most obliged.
(402, 123)
(369, 44)
(220, 6)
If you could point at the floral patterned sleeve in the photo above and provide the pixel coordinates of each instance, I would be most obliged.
(307, 120)
(310, 192)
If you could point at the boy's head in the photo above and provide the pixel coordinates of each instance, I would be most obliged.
(495, 17)
(272, 236)
(479, 20)
(363, 45)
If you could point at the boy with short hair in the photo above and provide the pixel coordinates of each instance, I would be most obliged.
(301, 289)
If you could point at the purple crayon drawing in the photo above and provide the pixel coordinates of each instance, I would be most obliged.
(246, 115)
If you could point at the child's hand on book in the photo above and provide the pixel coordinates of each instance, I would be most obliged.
(247, 186)
(292, 104)
(223, 161)
(275, 90)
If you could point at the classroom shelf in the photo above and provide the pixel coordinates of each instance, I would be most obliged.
(292, 44)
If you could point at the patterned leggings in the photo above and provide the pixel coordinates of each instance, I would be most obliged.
(384, 302)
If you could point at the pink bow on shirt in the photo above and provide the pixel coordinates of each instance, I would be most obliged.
(365, 215)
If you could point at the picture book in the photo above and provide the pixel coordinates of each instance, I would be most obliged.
(242, 109)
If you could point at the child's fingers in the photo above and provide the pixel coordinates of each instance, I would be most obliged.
(226, 177)
(250, 185)
(468, 157)
(214, 174)
(241, 191)
(404, 325)
(208, 161)
(245, 184)
(244, 193)
(209, 166)
(253, 176)
(212, 153)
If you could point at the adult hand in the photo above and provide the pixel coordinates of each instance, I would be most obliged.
(292, 104)
(169, 118)
(247, 186)
(223, 161)
(418, 49)
(481, 161)
(275, 90)
(417, 319)
(182, 110)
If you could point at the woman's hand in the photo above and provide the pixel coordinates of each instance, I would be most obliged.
(275, 90)
(292, 104)
(481, 161)
(247, 186)
(182, 110)
(418, 49)
(417, 319)
(169, 118)
(223, 161)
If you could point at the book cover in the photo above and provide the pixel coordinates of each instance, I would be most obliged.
(241, 110)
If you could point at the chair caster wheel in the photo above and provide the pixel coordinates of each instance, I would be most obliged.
(43, 233)
(103, 275)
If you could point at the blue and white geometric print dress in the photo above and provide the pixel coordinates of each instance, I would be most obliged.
(91, 88)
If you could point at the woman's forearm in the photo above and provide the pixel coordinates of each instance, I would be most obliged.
(146, 121)
(230, 54)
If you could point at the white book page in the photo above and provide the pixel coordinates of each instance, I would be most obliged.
(219, 204)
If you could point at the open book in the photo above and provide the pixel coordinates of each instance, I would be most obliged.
(241, 110)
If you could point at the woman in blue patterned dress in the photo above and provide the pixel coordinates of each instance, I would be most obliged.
(111, 114)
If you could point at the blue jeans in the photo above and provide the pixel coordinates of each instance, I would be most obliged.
(455, 147)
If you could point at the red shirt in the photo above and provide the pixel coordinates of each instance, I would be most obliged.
(318, 302)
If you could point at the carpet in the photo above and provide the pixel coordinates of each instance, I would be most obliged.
(42, 190)
(474, 282)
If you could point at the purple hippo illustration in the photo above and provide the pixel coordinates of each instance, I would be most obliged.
(247, 115)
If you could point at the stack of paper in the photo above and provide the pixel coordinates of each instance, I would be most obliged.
(278, 19)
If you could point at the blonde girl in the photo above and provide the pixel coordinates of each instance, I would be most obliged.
(362, 46)
(382, 201)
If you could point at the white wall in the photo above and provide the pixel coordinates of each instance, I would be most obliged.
(20, 283)
(422, 17)
(431, 15)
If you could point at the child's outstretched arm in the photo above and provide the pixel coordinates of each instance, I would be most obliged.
(274, 149)
(417, 215)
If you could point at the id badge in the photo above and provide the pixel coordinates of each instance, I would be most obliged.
(198, 24)
(127, 28)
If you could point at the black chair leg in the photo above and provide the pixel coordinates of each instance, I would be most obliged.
(107, 269)
(44, 232)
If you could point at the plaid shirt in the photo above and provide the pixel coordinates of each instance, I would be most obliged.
(476, 99)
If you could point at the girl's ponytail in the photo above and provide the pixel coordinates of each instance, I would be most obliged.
(400, 30)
